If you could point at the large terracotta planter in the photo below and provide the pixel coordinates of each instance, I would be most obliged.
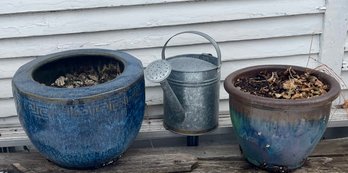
(278, 134)
(83, 127)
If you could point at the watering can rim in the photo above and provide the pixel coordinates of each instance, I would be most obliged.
(216, 67)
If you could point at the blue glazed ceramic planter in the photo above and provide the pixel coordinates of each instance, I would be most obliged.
(278, 134)
(83, 127)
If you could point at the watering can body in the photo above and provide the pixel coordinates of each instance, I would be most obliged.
(198, 93)
(195, 82)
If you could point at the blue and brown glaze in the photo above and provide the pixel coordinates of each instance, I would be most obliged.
(278, 134)
(83, 127)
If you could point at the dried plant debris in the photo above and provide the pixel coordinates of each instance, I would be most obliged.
(344, 105)
(88, 76)
(286, 84)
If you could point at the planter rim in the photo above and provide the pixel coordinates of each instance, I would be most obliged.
(23, 80)
(236, 93)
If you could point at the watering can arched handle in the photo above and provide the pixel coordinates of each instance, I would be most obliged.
(211, 40)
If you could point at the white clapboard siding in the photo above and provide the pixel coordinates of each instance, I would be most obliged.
(9, 66)
(344, 75)
(344, 72)
(345, 68)
(20, 6)
(334, 34)
(7, 107)
(155, 37)
(346, 44)
(5, 88)
(132, 17)
(231, 50)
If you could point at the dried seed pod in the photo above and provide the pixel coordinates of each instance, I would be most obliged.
(297, 96)
(286, 96)
(93, 77)
(277, 95)
(273, 78)
(60, 81)
(89, 82)
(289, 85)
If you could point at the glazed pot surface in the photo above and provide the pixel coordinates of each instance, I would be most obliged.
(85, 127)
(278, 134)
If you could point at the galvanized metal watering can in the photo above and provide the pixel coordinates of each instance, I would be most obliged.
(190, 84)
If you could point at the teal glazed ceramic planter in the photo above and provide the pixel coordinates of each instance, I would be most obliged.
(277, 134)
(85, 127)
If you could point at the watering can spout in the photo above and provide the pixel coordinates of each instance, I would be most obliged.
(175, 104)
(158, 71)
